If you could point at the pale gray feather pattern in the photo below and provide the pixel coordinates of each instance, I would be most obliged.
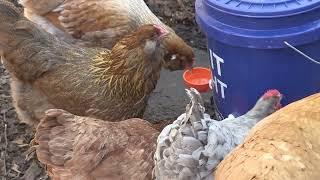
(179, 154)
(193, 145)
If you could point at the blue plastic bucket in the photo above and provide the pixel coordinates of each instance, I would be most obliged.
(255, 45)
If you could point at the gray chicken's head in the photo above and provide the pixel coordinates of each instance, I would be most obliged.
(267, 104)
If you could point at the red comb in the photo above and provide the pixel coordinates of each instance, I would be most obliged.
(159, 29)
(271, 93)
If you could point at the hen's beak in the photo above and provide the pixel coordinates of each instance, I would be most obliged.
(279, 105)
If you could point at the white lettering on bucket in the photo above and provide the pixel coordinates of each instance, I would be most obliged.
(211, 58)
(218, 61)
(222, 86)
(215, 83)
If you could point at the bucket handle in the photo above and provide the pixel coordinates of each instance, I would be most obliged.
(300, 52)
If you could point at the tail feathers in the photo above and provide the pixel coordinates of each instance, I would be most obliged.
(180, 146)
(71, 145)
(54, 141)
(194, 96)
(15, 27)
(9, 12)
(40, 7)
(194, 110)
(24, 47)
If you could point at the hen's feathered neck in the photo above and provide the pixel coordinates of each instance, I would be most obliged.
(126, 73)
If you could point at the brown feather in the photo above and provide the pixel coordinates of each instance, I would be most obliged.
(75, 147)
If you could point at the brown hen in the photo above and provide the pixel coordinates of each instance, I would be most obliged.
(82, 148)
(101, 23)
(283, 146)
(50, 73)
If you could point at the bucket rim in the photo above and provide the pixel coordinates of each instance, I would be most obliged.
(255, 7)
(255, 38)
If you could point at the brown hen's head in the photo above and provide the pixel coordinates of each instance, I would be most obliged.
(178, 54)
(145, 43)
(149, 32)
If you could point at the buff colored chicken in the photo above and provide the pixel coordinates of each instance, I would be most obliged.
(101, 23)
(82, 148)
(192, 147)
(285, 145)
(49, 73)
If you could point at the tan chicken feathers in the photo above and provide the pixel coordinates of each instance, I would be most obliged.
(82, 148)
(88, 20)
(101, 23)
(285, 145)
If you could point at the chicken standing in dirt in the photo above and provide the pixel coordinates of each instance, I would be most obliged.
(49, 73)
(102, 23)
(192, 147)
(285, 145)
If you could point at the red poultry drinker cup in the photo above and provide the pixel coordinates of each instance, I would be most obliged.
(198, 78)
(255, 45)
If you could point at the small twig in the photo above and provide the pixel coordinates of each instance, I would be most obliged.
(6, 144)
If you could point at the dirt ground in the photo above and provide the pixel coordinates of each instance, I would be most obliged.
(181, 18)
(15, 137)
